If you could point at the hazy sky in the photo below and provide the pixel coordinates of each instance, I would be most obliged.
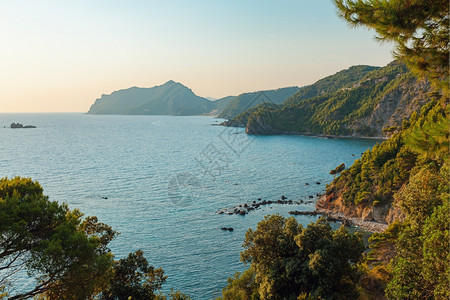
(59, 56)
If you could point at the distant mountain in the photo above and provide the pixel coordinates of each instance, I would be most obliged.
(171, 98)
(220, 104)
(248, 100)
(371, 102)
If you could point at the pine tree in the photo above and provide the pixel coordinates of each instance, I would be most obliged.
(419, 29)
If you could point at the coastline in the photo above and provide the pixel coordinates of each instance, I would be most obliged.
(371, 226)
(328, 136)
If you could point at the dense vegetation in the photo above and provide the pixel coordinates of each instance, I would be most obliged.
(411, 259)
(288, 261)
(380, 172)
(330, 84)
(67, 254)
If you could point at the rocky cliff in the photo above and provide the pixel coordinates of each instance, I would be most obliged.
(383, 214)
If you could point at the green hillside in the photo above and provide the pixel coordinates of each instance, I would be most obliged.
(342, 79)
(372, 102)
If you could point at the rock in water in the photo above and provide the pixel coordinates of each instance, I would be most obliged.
(18, 125)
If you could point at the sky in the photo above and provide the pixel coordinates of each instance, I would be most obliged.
(59, 56)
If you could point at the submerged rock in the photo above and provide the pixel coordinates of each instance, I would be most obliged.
(303, 213)
(227, 229)
(244, 208)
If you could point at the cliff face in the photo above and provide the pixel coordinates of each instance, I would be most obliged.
(385, 214)
(394, 107)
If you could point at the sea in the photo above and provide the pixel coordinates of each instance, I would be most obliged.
(161, 181)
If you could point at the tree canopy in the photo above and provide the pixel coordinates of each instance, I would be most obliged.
(134, 278)
(53, 244)
(419, 29)
(288, 261)
(66, 254)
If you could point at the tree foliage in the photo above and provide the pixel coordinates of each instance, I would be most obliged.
(54, 245)
(81, 249)
(421, 268)
(338, 169)
(288, 261)
(67, 254)
(241, 286)
(419, 29)
(134, 279)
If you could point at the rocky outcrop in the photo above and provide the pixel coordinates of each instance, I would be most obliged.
(381, 214)
(233, 123)
(243, 209)
(230, 229)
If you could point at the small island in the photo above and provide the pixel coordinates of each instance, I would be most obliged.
(18, 125)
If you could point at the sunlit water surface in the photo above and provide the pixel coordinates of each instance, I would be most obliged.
(166, 177)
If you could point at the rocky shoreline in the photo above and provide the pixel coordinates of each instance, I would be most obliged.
(243, 209)
(371, 226)
(330, 215)
(231, 123)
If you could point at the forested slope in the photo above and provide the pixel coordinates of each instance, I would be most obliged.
(373, 105)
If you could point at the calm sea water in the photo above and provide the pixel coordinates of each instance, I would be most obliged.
(166, 177)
